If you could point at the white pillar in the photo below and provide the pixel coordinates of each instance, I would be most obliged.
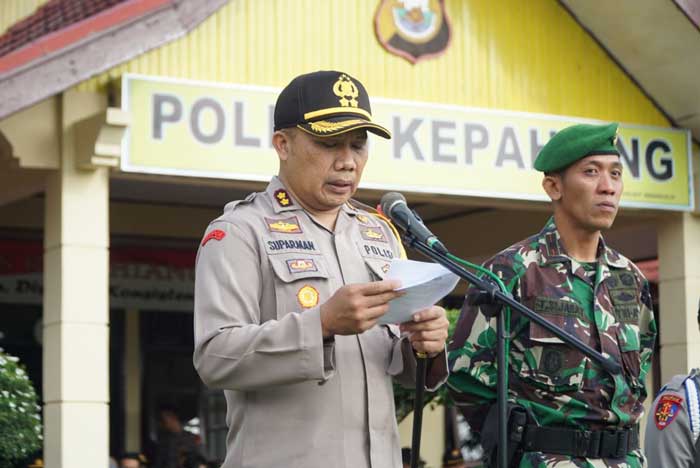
(132, 371)
(679, 291)
(76, 302)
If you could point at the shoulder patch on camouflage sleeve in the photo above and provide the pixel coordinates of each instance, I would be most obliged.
(666, 410)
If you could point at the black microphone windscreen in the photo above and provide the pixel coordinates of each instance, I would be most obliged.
(389, 200)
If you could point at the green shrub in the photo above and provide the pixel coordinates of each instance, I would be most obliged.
(20, 421)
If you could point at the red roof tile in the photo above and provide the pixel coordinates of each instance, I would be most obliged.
(53, 16)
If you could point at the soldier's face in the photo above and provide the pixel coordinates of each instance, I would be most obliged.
(588, 192)
(322, 173)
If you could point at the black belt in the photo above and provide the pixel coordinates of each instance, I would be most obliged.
(607, 443)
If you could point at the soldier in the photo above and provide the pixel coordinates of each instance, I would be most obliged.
(672, 438)
(577, 414)
(288, 292)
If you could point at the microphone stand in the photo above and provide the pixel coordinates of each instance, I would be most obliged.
(421, 358)
(505, 299)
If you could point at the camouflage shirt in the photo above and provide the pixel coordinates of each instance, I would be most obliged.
(611, 311)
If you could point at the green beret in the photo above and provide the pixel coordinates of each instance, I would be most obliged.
(576, 142)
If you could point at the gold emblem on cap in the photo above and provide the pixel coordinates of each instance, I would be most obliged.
(346, 90)
(307, 296)
(323, 126)
(617, 134)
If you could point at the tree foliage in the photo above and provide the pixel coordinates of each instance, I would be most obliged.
(20, 420)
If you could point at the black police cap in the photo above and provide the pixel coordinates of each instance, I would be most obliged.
(325, 103)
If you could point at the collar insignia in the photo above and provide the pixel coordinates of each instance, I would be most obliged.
(282, 198)
(286, 226)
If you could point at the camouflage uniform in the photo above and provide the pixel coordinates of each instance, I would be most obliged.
(610, 310)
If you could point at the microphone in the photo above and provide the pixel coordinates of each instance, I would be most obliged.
(393, 205)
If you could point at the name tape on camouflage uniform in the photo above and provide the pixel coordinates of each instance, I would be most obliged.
(562, 308)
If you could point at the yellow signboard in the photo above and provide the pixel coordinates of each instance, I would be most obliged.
(224, 131)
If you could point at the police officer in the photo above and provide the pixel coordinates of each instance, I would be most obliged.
(288, 293)
(577, 415)
(672, 438)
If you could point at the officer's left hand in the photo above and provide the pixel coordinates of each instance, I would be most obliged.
(428, 330)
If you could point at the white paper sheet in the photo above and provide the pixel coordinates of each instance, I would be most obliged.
(423, 285)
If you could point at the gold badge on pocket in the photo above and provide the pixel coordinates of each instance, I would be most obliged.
(307, 296)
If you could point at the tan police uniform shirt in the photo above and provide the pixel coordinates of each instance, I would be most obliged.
(263, 270)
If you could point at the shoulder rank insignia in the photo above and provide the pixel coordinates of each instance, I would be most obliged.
(666, 410)
(307, 296)
(300, 265)
(216, 234)
(287, 225)
(373, 234)
(282, 198)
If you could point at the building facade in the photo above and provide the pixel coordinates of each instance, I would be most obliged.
(127, 127)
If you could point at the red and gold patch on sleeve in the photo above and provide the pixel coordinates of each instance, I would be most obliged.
(666, 410)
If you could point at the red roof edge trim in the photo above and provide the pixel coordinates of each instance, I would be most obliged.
(58, 40)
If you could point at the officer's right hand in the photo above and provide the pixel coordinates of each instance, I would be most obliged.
(355, 308)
